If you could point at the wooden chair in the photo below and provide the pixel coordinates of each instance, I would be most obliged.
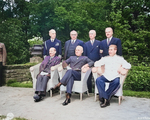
(98, 71)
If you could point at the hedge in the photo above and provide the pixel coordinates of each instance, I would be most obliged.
(138, 79)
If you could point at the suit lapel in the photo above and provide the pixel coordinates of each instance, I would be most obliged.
(94, 45)
(78, 60)
(111, 41)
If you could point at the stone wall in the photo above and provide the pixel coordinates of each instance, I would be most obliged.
(17, 72)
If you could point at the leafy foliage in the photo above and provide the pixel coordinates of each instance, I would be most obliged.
(138, 79)
(13, 37)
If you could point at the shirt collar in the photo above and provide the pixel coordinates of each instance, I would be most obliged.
(109, 38)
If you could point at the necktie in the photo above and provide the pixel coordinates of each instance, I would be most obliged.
(72, 41)
(92, 42)
(52, 40)
(108, 41)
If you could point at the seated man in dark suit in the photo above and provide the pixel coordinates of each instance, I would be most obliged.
(77, 63)
(45, 74)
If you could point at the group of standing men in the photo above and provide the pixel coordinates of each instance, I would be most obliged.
(93, 49)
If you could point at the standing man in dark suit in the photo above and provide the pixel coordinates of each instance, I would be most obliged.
(92, 51)
(45, 74)
(77, 63)
(110, 41)
(3, 55)
(70, 45)
(52, 42)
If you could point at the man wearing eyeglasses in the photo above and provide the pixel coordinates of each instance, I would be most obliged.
(70, 45)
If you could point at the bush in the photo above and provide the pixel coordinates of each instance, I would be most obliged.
(138, 79)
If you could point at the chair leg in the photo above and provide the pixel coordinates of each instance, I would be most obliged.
(80, 96)
(95, 97)
(88, 93)
(51, 93)
(60, 94)
(119, 99)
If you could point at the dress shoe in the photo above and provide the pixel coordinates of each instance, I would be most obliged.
(66, 102)
(37, 98)
(105, 104)
(56, 86)
(68, 95)
(101, 101)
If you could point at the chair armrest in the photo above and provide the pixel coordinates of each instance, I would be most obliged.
(94, 69)
(34, 70)
(84, 70)
(60, 68)
(85, 75)
(123, 71)
(55, 67)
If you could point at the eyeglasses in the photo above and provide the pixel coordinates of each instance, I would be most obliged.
(73, 34)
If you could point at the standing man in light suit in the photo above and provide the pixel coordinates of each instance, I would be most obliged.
(110, 41)
(52, 42)
(111, 75)
(3, 55)
(71, 45)
(92, 51)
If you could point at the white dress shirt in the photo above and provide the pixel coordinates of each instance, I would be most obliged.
(92, 41)
(112, 64)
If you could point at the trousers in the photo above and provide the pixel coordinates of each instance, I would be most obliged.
(114, 85)
(69, 77)
(41, 83)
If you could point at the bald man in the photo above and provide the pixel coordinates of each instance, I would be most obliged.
(70, 45)
(111, 75)
(76, 63)
(52, 42)
(45, 74)
(109, 41)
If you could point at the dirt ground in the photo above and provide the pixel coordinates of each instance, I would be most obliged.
(19, 102)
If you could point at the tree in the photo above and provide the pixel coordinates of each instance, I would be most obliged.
(13, 36)
(129, 24)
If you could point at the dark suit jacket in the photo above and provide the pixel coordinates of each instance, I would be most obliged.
(54, 61)
(105, 47)
(56, 44)
(92, 51)
(67, 43)
(76, 64)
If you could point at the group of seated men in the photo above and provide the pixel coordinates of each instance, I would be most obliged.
(78, 62)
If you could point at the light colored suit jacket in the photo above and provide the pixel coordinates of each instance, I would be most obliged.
(3, 53)
(112, 65)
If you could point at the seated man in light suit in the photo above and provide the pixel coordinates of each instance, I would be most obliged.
(45, 74)
(111, 75)
(77, 63)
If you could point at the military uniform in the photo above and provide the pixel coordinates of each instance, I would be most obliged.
(3, 55)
